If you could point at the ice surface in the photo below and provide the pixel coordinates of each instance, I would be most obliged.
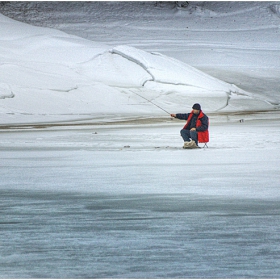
(126, 201)
(123, 159)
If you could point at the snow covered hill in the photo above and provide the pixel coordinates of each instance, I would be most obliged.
(48, 75)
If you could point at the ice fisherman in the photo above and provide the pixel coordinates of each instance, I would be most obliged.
(196, 127)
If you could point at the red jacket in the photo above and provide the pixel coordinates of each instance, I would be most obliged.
(202, 133)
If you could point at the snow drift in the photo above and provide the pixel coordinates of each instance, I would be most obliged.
(48, 75)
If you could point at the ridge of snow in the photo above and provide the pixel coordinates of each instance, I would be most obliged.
(168, 70)
(47, 74)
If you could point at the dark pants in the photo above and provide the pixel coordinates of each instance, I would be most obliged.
(189, 134)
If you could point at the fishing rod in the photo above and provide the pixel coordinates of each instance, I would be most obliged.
(152, 103)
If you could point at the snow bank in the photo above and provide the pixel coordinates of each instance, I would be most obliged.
(114, 70)
(47, 75)
(168, 70)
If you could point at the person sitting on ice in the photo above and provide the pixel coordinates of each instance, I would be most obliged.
(196, 127)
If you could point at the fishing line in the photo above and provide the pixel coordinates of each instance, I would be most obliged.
(152, 103)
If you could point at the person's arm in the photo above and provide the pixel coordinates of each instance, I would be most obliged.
(180, 116)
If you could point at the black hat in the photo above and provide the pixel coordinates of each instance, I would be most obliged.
(196, 106)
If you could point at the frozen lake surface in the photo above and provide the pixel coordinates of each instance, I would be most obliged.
(126, 201)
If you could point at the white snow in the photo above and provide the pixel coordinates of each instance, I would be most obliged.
(48, 75)
(75, 119)
(143, 159)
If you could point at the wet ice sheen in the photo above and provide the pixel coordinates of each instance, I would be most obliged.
(51, 234)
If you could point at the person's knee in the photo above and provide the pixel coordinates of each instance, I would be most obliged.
(193, 134)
